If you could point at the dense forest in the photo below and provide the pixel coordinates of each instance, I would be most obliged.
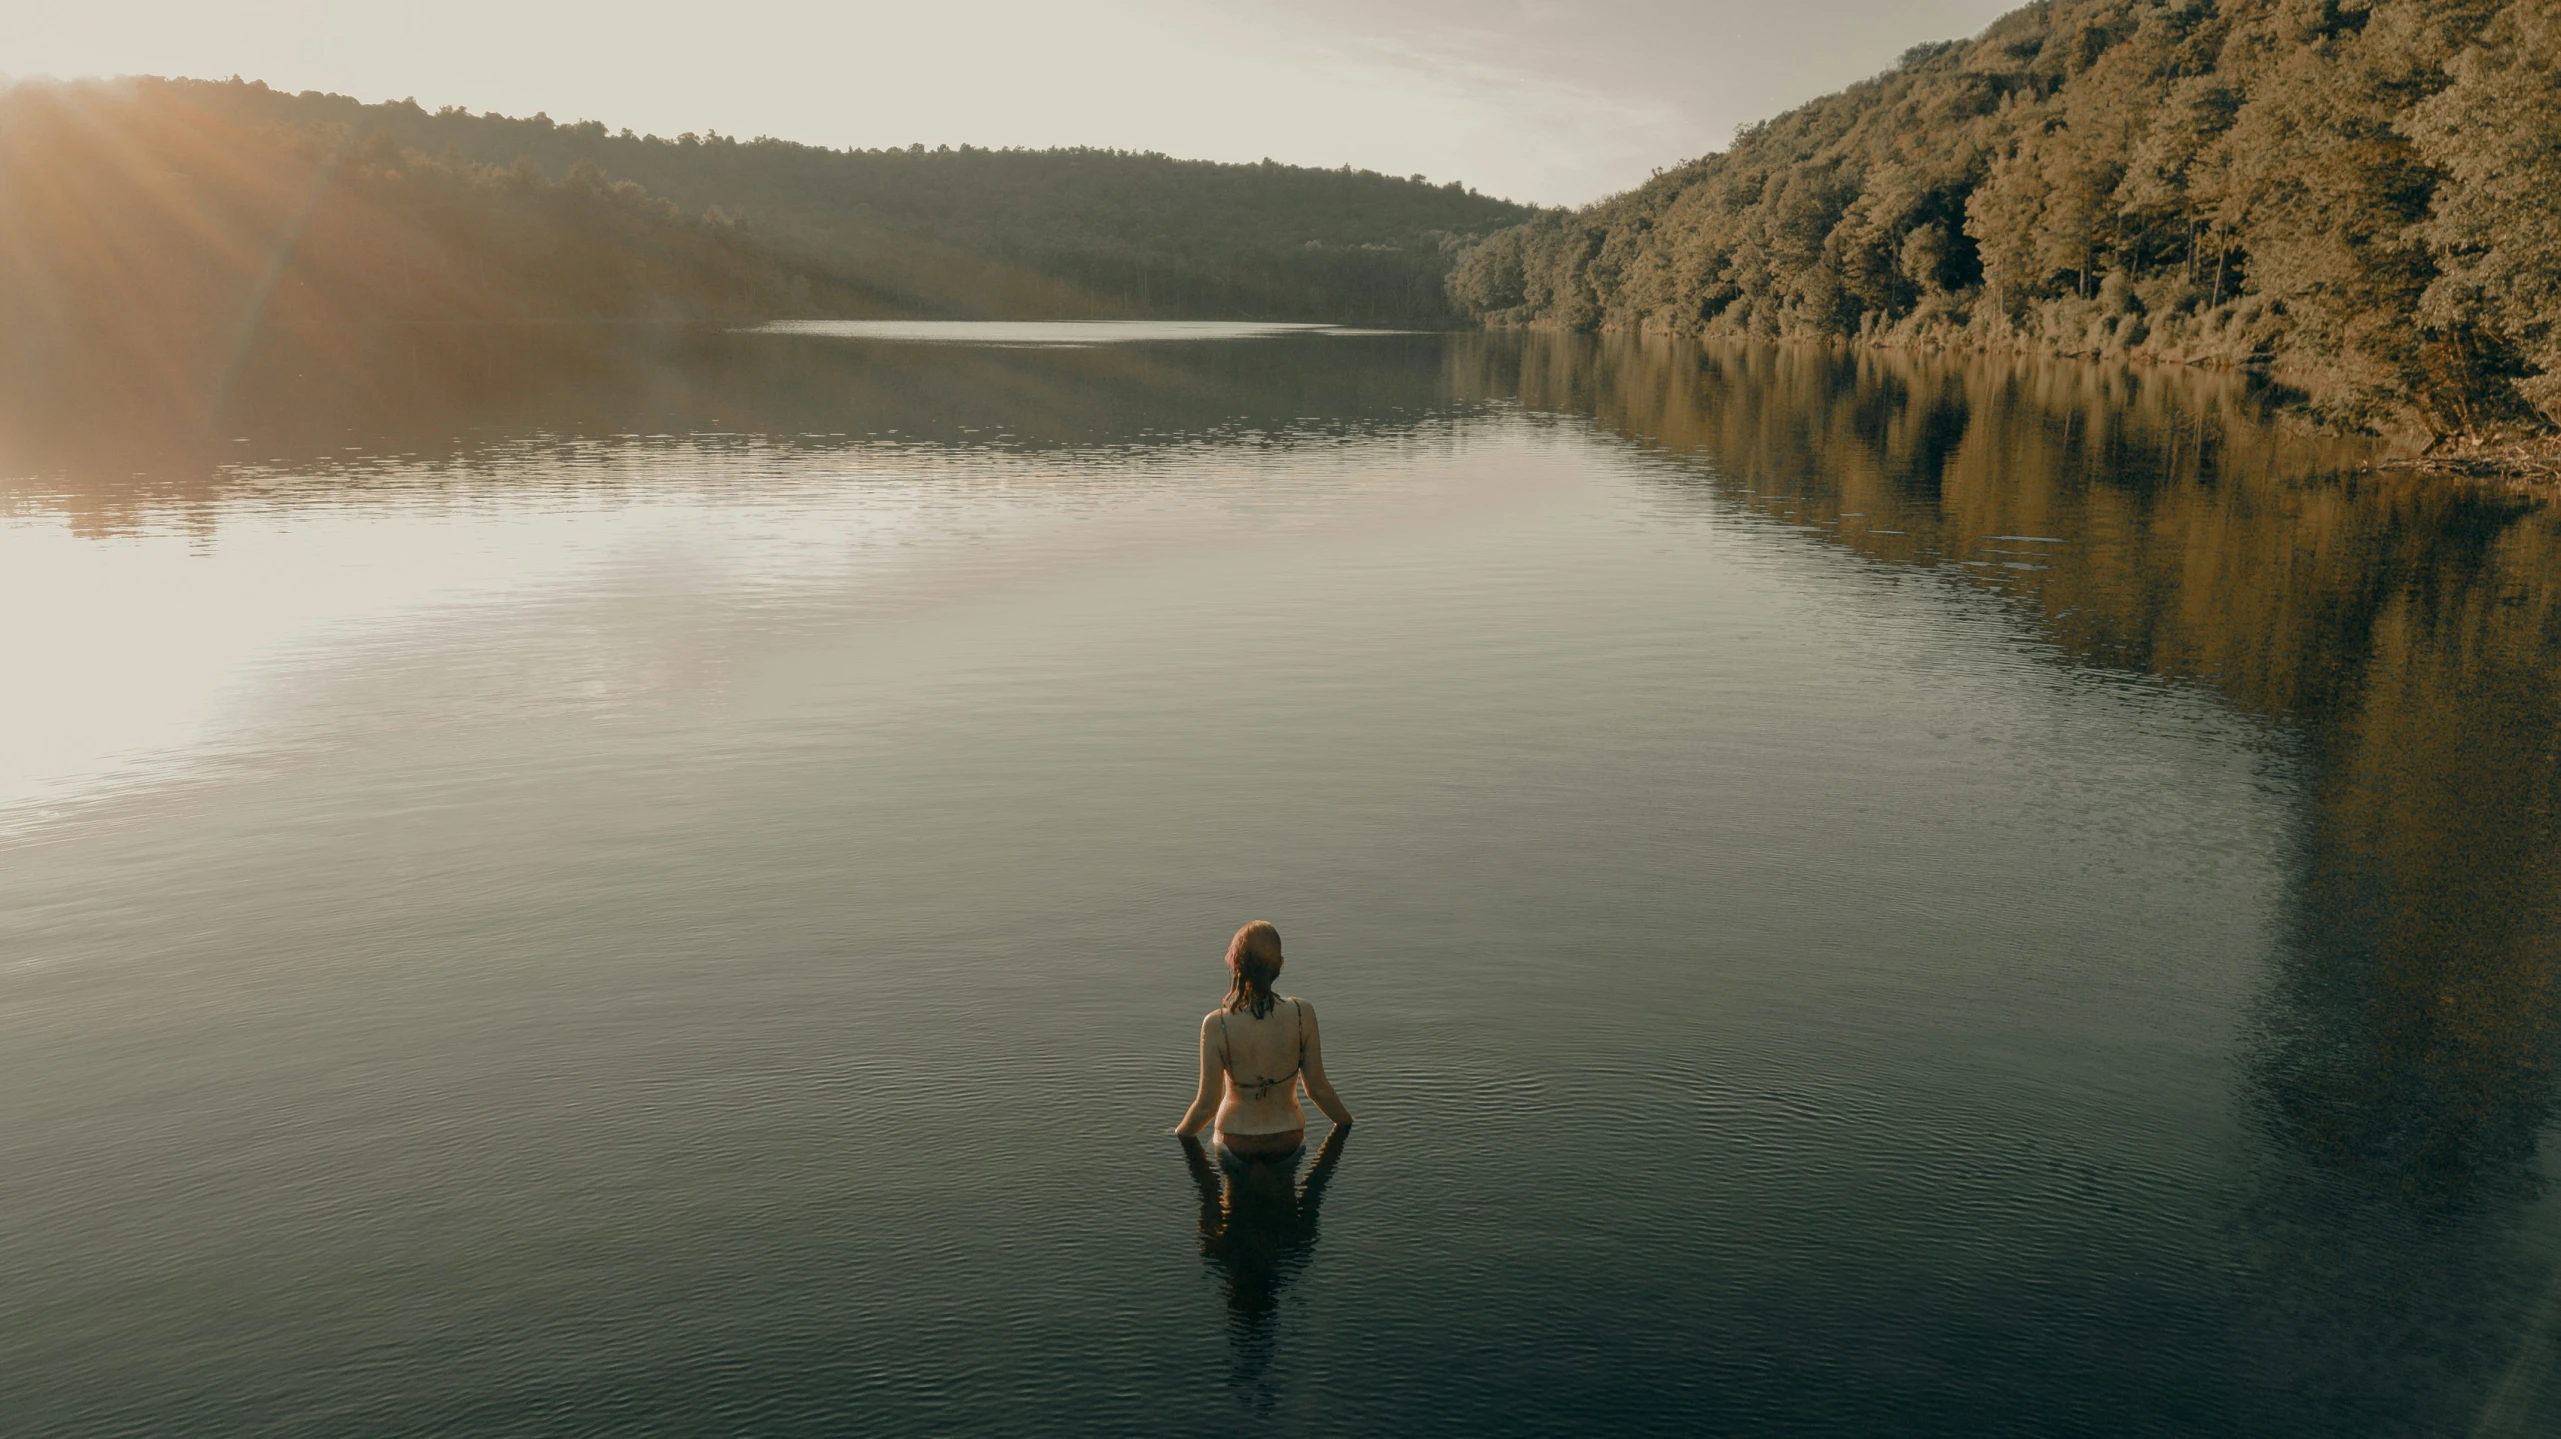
(2363, 196)
(158, 235)
(971, 232)
(147, 247)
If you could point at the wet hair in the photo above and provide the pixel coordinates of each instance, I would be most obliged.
(1254, 961)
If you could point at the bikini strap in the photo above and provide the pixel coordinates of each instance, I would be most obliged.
(1298, 1020)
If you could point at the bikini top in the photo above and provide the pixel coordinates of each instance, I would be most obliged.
(1262, 1087)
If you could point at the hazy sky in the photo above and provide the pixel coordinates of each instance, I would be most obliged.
(1539, 99)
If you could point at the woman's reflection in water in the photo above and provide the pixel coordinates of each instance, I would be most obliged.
(1257, 1229)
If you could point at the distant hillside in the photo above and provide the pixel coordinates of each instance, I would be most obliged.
(153, 233)
(974, 233)
(147, 245)
(2364, 195)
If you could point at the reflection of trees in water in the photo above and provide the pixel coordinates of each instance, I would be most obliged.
(2406, 633)
(112, 454)
(2403, 1054)
(1258, 1230)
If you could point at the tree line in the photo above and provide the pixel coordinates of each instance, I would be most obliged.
(970, 232)
(154, 233)
(2364, 196)
(149, 246)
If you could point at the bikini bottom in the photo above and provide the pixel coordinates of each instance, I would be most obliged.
(1278, 1141)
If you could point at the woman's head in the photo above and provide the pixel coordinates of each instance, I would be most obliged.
(1253, 962)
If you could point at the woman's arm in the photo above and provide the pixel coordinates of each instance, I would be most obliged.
(1213, 1083)
(1311, 1068)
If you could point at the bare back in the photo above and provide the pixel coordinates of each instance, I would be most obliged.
(1253, 1066)
(1262, 1057)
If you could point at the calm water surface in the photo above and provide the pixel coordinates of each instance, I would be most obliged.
(1851, 896)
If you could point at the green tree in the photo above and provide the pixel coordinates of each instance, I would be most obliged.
(2495, 227)
(2359, 194)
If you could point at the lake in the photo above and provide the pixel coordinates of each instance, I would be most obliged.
(668, 889)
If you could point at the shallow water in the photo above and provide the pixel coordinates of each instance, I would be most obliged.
(1850, 895)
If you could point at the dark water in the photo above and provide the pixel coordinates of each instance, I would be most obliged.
(667, 890)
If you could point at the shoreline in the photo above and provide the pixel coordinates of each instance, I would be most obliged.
(2532, 466)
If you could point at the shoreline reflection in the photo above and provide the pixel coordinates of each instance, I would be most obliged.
(111, 459)
(2400, 639)
(2367, 1236)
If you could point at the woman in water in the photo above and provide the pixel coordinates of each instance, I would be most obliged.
(1255, 1050)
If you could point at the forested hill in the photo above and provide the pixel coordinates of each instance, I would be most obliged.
(979, 233)
(2365, 195)
(148, 247)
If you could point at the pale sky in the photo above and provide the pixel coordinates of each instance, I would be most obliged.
(1540, 100)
